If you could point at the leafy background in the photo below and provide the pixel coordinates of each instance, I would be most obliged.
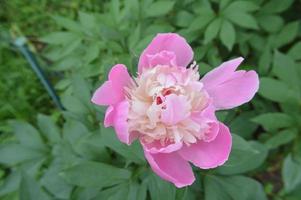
(47, 153)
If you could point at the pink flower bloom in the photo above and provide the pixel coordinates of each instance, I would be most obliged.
(172, 111)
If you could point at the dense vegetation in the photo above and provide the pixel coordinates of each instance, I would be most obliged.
(46, 153)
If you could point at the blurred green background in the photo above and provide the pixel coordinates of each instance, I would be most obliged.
(48, 153)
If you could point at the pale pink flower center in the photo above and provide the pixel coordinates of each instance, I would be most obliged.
(164, 101)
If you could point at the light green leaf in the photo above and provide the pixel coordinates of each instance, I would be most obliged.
(60, 38)
(12, 154)
(27, 135)
(87, 20)
(267, 120)
(232, 188)
(92, 52)
(227, 34)
(30, 189)
(67, 23)
(242, 157)
(212, 30)
(281, 138)
(95, 174)
(291, 173)
(133, 152)
(273, 89)
(48, 128)
(159, 8)
(285, 69)
(160, 189)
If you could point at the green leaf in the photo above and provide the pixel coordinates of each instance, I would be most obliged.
(95, 174)
(60, 38)
(267, 120)
(212, 30)
(242, 157)
(184, 18)
(242, 19)
(54, 183)
(273, 89)
(87, 20)
(291, 173)
(265, 61)
(242, 124)
(160, 189)
(133, 152)
(12, 154)
(270, 23)
(276, 6)
(67, 23)
(242, 6)
(48, 128)
(281, 138)
(294, 52)
(205, 15)
(27, 135)
(30, 189)
(232, 188)
(92, 52)
(285, 69)
(74, 130)
(287, 34)
(159, 8)
(227, 34)
(11, 183)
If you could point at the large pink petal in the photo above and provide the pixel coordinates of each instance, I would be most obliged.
(120, 77)
(121, 124)
(170, 42)
(157, 147)
(229, 88)
(106, 95)
(171, 167)
(112, 91)
(212, 154)
(221, 73)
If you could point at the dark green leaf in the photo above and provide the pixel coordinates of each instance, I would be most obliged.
(227, 34)
(160, 189)
(159, 8)
(294, 52)
(287, 34)
(242, 6)
(212, 30)
(242, 19)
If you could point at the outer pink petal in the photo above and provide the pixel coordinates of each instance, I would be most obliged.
(221, 73)
(106, 95)
(112, 91)
(171, 167)
(121, 124)
(156, 147)
(109, 117)
(120, 77)
(209, 154)
(229, 88)
(169, 42)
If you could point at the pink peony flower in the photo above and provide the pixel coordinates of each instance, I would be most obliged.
(172, 111)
